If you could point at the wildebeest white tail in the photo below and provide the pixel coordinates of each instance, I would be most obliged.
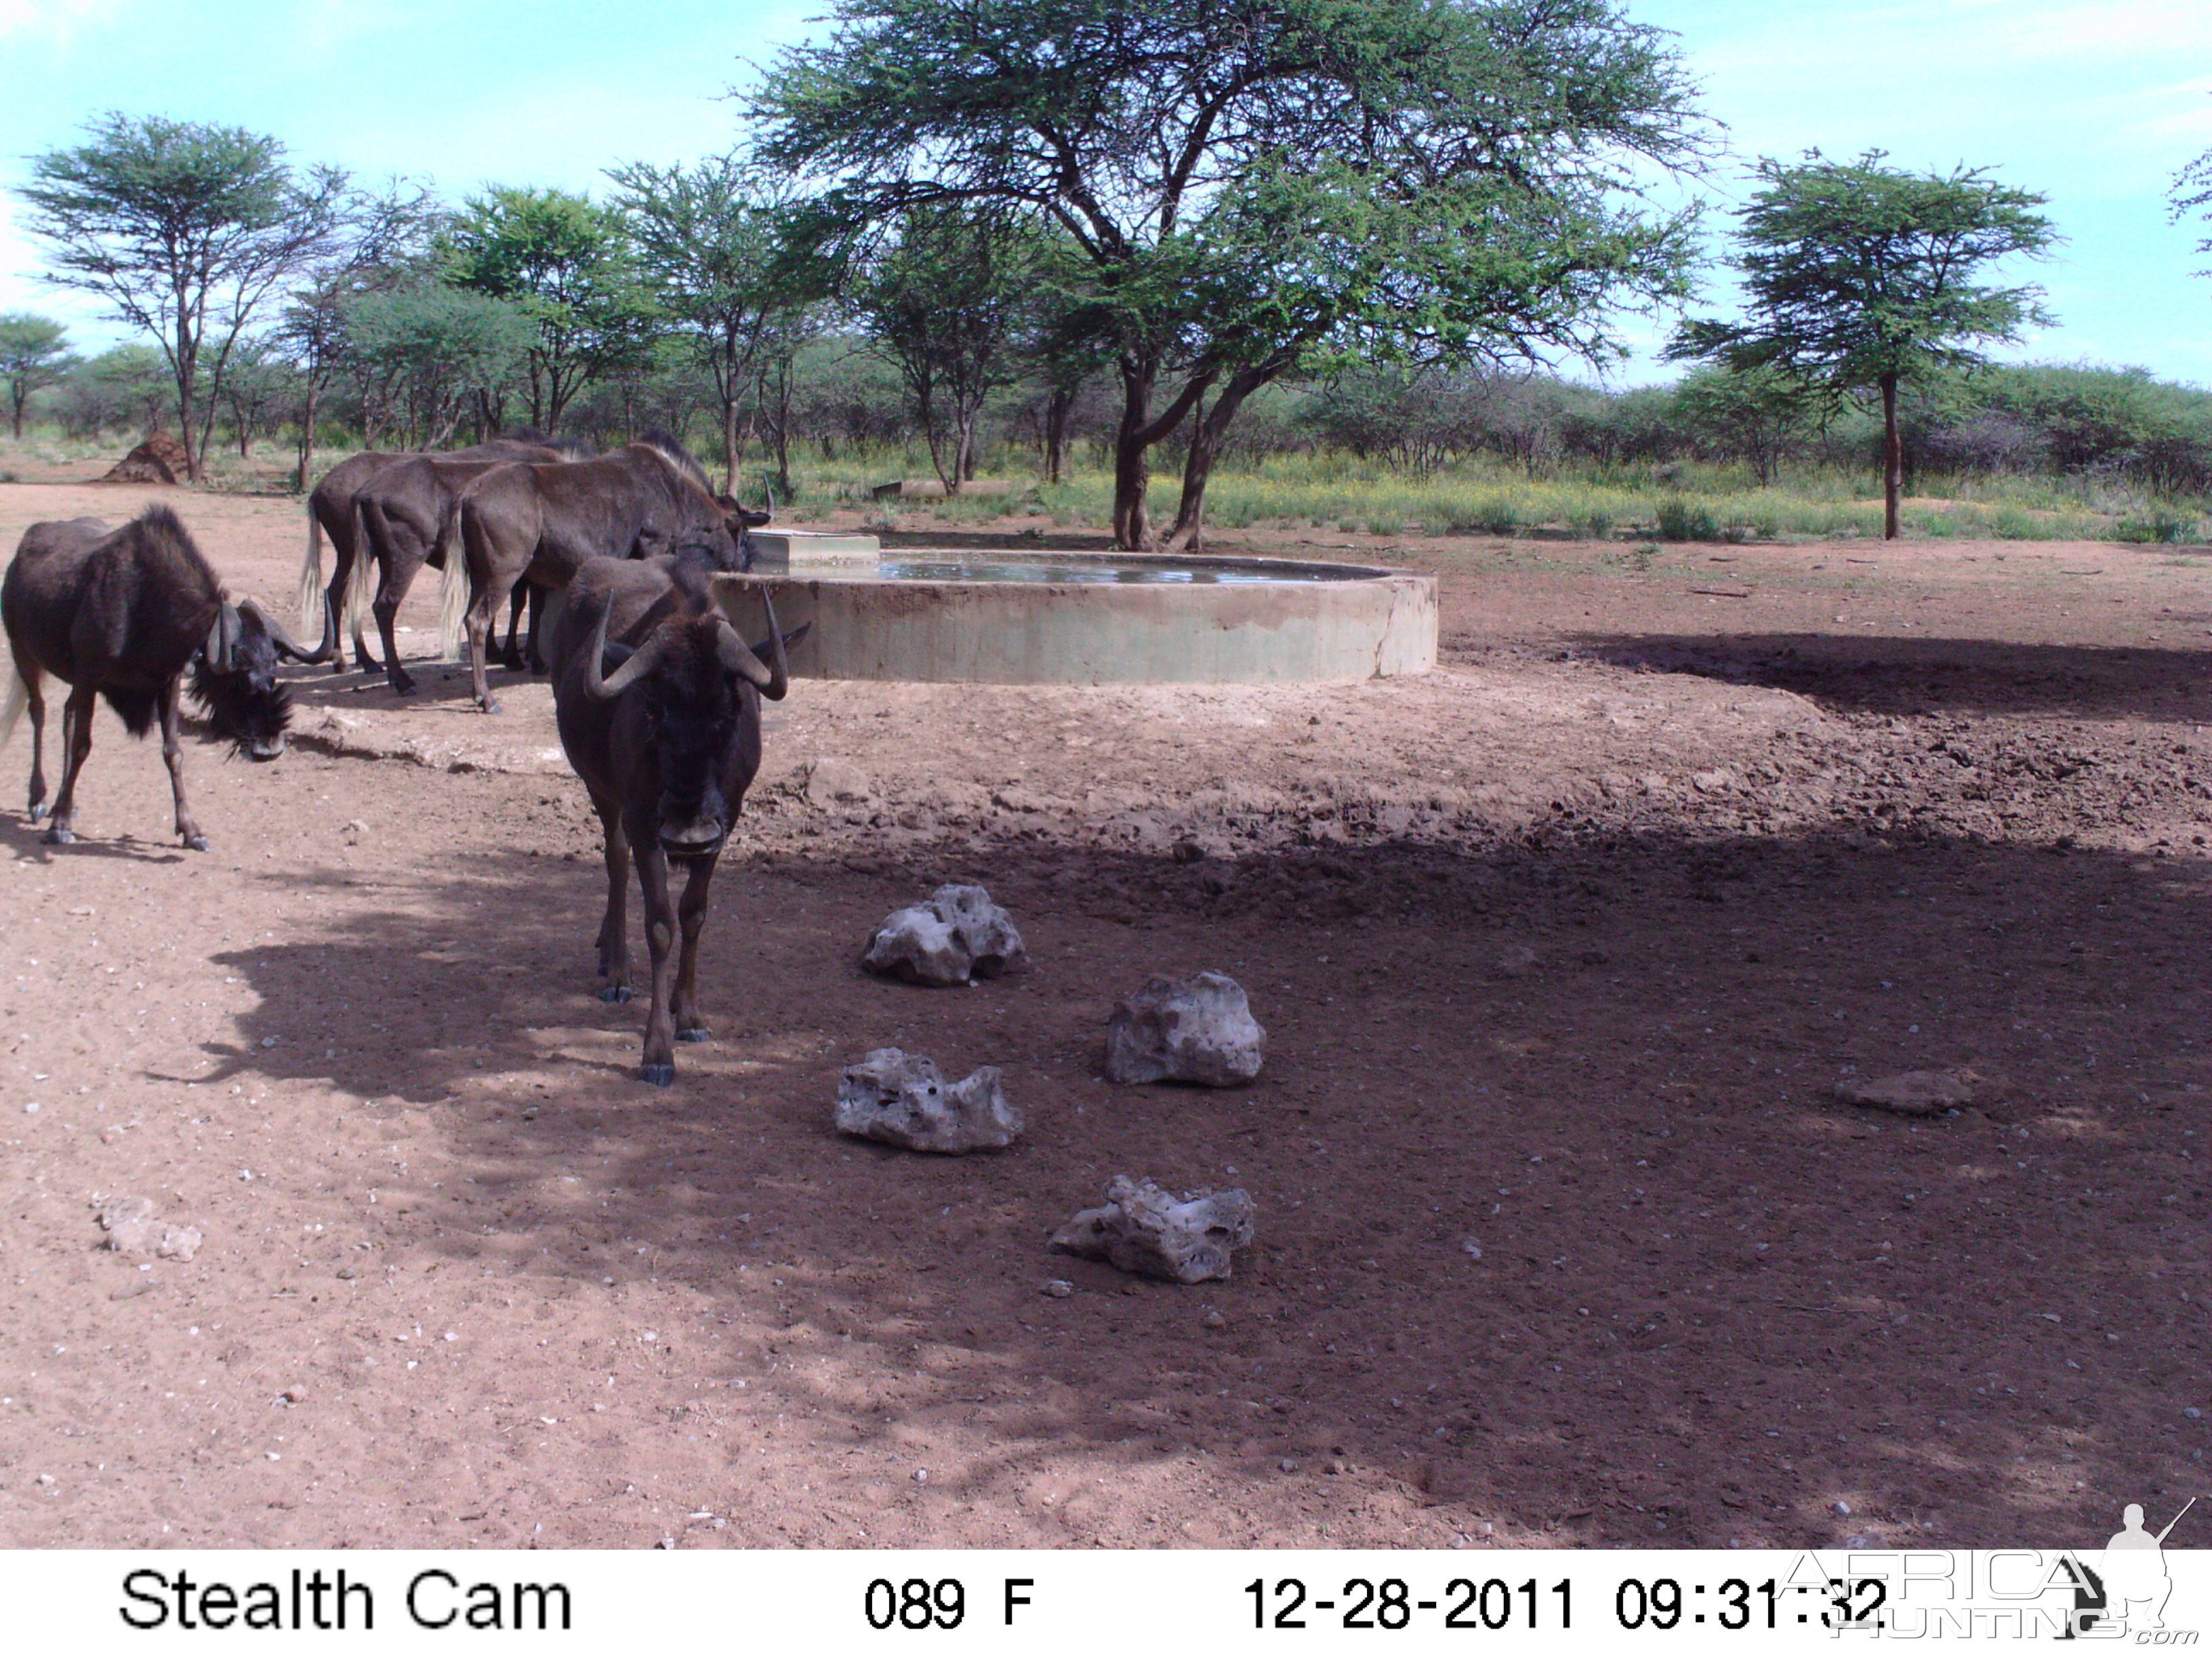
(18, 698)
(359, 584)
(310, 578)
(453, 585)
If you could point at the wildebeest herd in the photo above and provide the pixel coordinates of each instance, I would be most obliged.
(657, 698)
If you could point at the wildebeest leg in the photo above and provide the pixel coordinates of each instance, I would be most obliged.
(614, 926)
(342, 557)
(400, 569)
(692, 915)
(34, 704)
(483, 617)
(172, 756)
(538, 595)
(76, 739)
(660, 1064)
(517, 598)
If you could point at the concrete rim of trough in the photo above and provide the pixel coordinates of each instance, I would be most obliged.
(1369, 621)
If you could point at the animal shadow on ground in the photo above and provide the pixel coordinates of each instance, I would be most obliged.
(1558, 1218)
(1891, 675)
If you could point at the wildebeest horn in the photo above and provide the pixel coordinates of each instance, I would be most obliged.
(285, 642)
(223, 637)
(741, 658)
(640, 664)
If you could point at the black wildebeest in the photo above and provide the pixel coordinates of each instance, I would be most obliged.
(397, 515)
(122, 614)
(541, 521)
(665, 743)
(329, 511)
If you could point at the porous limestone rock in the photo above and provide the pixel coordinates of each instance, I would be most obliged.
(1916, 1094)
(133, 1229)
(1200, 1030)
(902, 1098)
(956, 935)
(1144, 1229)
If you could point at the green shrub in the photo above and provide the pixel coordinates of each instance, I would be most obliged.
(2160, 526)
(1688, 521)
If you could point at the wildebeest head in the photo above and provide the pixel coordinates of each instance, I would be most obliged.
(691, 692)
(234, 676)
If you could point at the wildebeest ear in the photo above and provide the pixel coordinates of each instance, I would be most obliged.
(614, 656)
(738, 513)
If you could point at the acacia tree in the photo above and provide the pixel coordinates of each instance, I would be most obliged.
(34, 353)
(1255, 186)
(1858, 276)
(381, 241)
(2192, 193)
(716, 246)
(184, 229)
(946, 300)
(567, 264)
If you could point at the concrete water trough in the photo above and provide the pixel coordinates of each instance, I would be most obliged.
(1055, 618)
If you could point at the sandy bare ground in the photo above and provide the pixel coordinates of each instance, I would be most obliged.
(1766, 818)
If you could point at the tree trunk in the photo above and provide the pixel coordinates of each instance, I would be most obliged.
(1892, 459)
(307, 438)
(1058, 406)
(730, 444)
(1188, 534)
(1135, 437)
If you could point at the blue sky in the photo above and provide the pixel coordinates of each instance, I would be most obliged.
(2094, 103)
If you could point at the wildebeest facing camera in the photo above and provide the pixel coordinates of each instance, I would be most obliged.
(245, 703)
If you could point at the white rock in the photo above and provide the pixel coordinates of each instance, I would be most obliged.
(1200, 1030)
(1143, 1229)
(131, 1230)
(956, 935)
(902, 1098)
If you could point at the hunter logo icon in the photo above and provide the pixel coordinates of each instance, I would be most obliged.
(2135, 1582)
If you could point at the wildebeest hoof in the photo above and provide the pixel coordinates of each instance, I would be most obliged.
(660, 1075)
(196, 844)
(59, 837)
(38, 812)
(692, 1034)
(490, 706)
(614, 994)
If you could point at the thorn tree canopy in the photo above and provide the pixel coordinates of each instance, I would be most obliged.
(715, 243)
(568, 263)
(184, 229)
(34, 353)
(2192, 193)
(1857, 277)
(1259, 185)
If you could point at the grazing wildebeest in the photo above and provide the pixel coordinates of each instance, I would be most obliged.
(121, 614)
(529, 519)
(330, 510)
(665, 744)
(397, 515)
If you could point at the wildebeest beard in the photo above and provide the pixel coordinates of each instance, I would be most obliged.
(253, 716)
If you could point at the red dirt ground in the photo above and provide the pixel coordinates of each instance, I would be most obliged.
(1766, 818)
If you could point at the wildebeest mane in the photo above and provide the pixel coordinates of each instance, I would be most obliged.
(168, 537)
(672, 451)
